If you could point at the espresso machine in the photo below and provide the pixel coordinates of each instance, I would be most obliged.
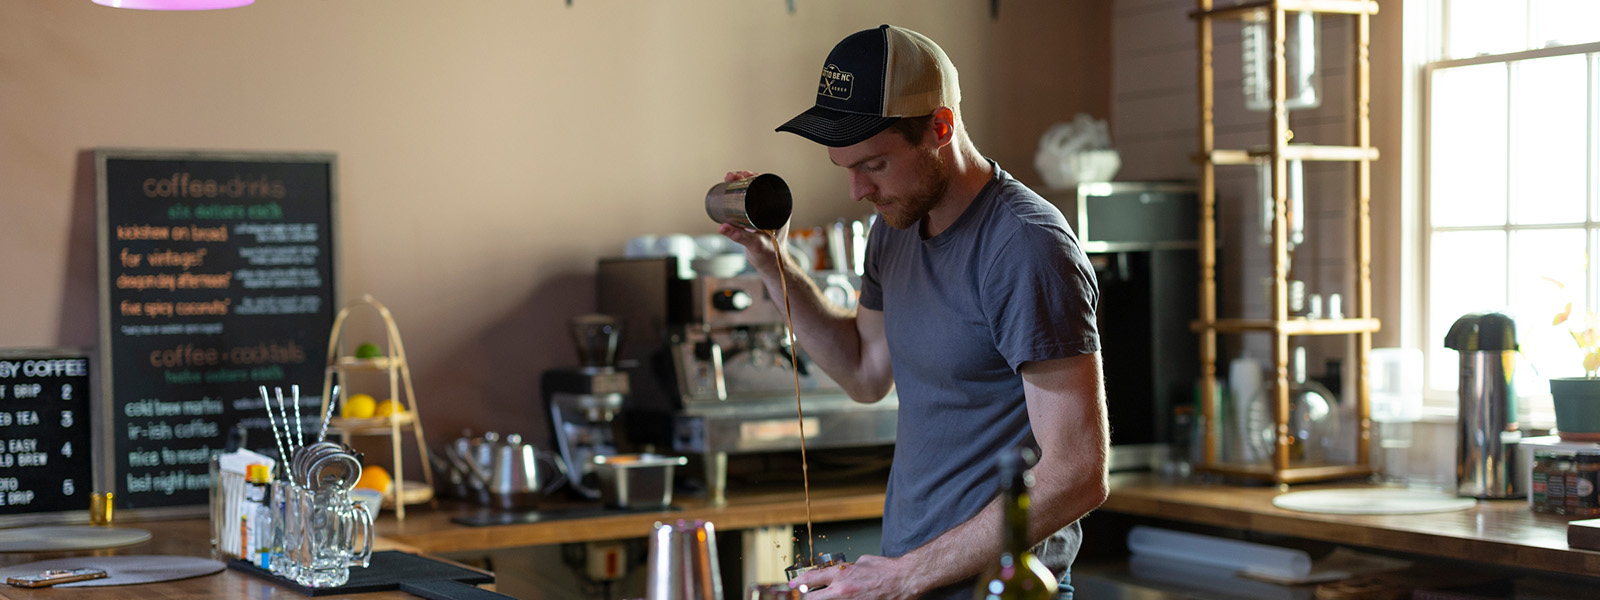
(720, 366)
(584, 401)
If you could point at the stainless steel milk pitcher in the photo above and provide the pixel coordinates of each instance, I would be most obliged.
(1486, 432)
(758, 202)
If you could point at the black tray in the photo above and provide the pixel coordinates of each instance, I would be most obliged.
(387, 570)
(450, 590)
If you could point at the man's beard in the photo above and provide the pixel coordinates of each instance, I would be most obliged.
(933, 181)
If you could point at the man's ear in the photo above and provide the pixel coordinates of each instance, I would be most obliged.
(944, 126)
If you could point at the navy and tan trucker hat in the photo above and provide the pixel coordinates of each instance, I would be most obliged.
(872, 79)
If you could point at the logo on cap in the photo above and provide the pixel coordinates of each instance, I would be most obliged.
(835, 83)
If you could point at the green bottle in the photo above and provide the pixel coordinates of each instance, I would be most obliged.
(1017, 574)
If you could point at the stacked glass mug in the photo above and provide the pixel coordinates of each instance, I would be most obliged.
(315, 528)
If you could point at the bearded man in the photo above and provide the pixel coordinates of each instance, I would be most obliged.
(977, 308)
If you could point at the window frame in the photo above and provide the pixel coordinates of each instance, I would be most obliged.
(1534, 403)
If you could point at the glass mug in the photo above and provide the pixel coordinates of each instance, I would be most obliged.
(321, 533)
(278, 560)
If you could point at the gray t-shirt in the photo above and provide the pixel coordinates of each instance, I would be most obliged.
(1006, 284)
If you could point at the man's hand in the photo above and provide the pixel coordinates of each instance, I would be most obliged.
(757, 244)
(869, 578)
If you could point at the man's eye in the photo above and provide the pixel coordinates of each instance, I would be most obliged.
(876, 165)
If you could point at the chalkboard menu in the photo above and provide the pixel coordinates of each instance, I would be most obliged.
(46, 463)
(216, 278)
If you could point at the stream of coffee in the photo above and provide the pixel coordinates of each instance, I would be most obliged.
(794, 356)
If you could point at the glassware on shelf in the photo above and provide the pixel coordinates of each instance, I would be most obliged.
(1313, 415)
(1300, 54)
(1313, 419)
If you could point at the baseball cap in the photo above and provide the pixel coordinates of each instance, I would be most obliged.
(873, 78)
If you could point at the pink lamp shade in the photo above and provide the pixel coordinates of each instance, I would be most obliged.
(174, 4)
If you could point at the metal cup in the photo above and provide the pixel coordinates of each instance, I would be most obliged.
(824, 560)
(772, 591)
(759, 202)
(683, 562)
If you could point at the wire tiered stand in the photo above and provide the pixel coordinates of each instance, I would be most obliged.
(393, 363)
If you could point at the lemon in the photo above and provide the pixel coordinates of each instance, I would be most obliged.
(375, 477)
(358, 406)
(389, 407)
(368, 350)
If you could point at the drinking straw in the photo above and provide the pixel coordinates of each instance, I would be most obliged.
(285, 412)
(299, 430)
(265, 401)
(332, 400)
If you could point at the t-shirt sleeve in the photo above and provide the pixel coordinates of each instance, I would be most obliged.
(1040, 296)
(871, 287)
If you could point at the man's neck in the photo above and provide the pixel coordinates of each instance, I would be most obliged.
(969, 172)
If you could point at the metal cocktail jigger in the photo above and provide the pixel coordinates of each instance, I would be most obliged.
(759, 202)
(683, 562)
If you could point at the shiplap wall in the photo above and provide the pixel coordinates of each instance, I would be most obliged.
(1154, 125)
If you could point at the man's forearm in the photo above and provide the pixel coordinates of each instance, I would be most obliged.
(828, 333)
(965, 550)
(959, 553)
(1066, 409)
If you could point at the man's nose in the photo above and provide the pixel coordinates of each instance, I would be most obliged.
(861, 187)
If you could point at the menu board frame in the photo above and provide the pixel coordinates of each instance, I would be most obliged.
(90, 456)
(113, 473)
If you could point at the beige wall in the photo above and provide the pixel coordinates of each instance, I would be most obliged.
(489, 151)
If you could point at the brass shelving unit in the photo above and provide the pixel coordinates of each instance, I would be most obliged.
(1280, 325)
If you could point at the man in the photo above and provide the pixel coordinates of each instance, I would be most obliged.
(977, 307)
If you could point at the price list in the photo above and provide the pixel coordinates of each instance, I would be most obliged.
(217, 279)
(45, 462)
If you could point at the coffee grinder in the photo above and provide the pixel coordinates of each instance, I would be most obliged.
(584, 401)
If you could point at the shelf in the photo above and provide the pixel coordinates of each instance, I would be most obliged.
(370, 425)
(1295, 326)
(1277, 158)
(351, 363)
(1093, 247)
(1291, 475)
(395, 426)
(1294, 152)
(411, 492)
(1346, 7)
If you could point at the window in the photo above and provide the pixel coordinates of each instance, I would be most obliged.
(1510, 179)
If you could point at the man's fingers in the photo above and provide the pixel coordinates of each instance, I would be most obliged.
(736, 234)
(743, 237)
(814, 579)
(736, 175)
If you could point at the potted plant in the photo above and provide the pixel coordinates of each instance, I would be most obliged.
(1577, 399)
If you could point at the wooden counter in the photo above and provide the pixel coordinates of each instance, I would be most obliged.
(432, 531)
(190, 537)
(1499, 532)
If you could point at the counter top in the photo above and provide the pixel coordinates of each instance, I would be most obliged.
(429, 531)
(1499, 532)
(191, 537)
(432, 531)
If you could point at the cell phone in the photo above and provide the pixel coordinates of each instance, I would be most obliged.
(55, 576)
